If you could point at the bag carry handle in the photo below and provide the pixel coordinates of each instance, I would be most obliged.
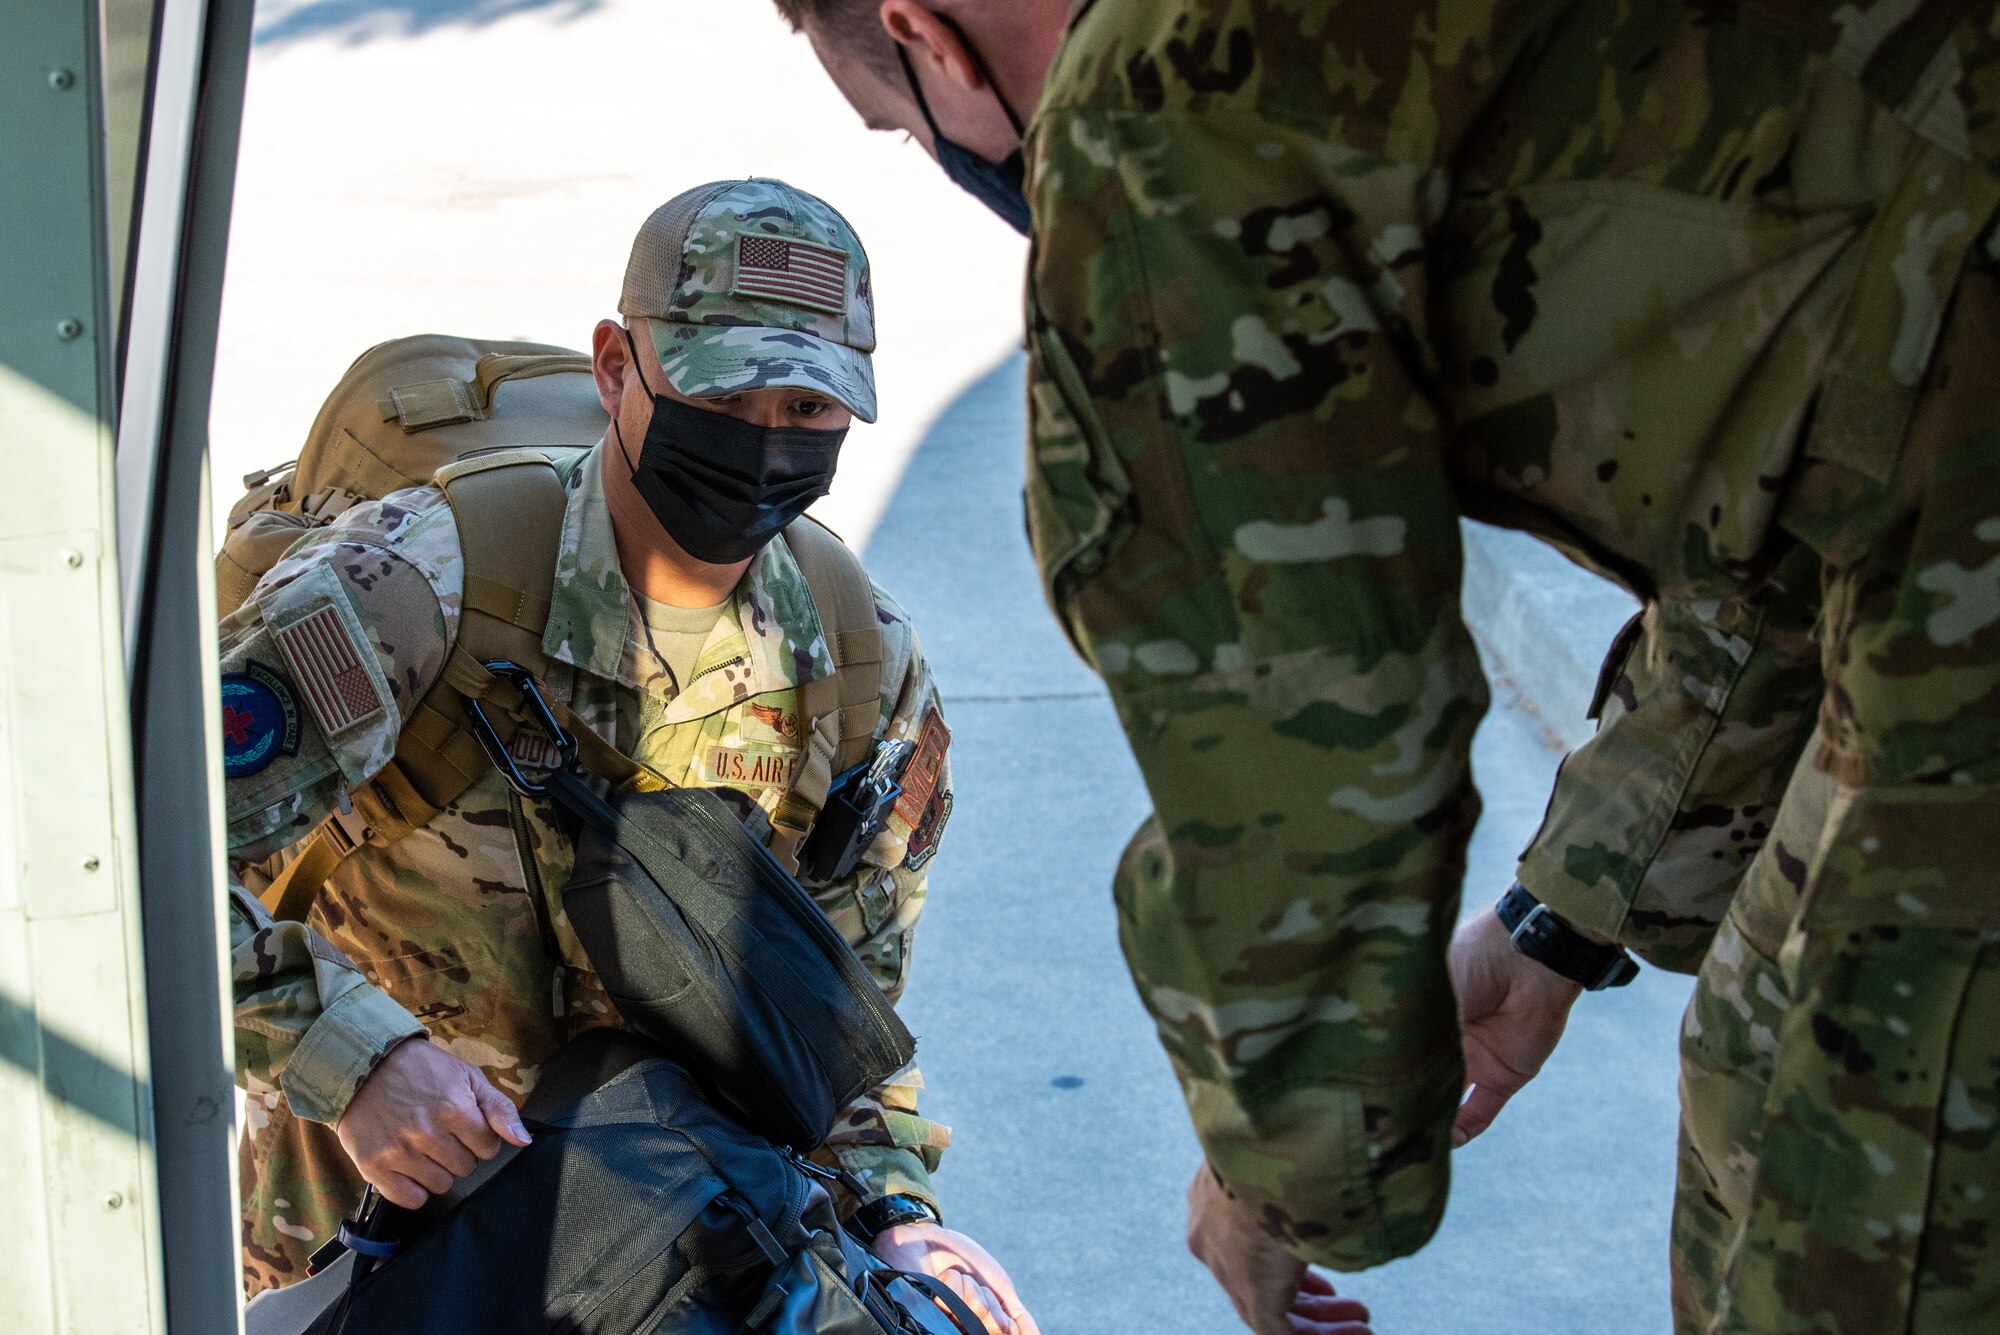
(495, 368)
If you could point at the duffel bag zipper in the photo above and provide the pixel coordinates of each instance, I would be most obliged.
(788, 1221)
(531, 872)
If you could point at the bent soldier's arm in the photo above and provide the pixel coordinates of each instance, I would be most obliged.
(1238, 493)
(345, 613)
(882, 1138)
(1704, 710)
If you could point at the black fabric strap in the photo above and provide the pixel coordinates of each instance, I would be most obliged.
(576, 797)
(954, 1306)
(1554, 944)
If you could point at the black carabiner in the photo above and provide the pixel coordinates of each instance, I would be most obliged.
(539, 714)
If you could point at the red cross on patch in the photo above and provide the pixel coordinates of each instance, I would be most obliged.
(236, 724)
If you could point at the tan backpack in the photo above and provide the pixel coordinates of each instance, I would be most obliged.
(486, 421)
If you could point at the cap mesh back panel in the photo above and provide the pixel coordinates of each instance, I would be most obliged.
(653, 272)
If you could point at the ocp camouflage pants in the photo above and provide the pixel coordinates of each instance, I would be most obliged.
(1840, 1136)
(1839, 1170)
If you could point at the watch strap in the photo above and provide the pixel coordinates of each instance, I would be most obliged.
(1549, 941)
(886, 1212)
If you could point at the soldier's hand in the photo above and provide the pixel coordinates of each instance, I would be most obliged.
(421, 1118)
(1511, 1014)
(952, 1258)
(1272, 1290)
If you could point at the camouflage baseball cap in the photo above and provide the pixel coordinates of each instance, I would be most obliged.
(751, 284)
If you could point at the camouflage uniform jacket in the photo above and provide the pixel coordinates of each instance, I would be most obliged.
(1660, 282)
(439, 933)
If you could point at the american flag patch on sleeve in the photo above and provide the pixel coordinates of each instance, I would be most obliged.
(328, 664)
(794, 271)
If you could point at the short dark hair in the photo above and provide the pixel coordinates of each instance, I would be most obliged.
(851, 24)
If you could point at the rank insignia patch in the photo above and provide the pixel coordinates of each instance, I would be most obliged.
(920, 775)
(260, 719)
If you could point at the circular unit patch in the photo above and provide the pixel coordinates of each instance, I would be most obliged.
(924, 839)
(260, 719)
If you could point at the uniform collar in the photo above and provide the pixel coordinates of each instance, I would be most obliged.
(770, 623)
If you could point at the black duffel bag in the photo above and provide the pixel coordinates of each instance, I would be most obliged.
(713, 949)
(709, 946)
(639, 1209)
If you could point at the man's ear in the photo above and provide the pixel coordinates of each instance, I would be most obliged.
(608, 360)
(932, 42)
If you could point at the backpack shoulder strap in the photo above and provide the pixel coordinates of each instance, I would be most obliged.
(508, 507)
(840, 711)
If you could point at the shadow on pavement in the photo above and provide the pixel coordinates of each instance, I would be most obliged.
(953, 550)
(358, 21)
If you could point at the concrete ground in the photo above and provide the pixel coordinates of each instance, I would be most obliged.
(479, 166)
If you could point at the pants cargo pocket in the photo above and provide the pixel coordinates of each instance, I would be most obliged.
(1727, 1035)
(1876, 1203)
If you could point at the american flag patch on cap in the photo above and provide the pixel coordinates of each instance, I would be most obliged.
(794, 271)
(330, 670)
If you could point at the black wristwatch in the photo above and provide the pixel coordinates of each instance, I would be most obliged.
(1554, 944)
(877, 1217)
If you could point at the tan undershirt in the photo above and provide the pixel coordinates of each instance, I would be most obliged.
(678, 633)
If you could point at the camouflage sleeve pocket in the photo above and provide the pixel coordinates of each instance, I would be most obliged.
(338, 674)
(280, 775)
(1881, 1144)
(1077, 489)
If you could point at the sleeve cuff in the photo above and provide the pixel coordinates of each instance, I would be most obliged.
(1593, 906)
(1348, 1176)
(1678, 947)
(887, 1170)
(341, 1048)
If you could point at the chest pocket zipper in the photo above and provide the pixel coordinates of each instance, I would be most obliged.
(737, 661)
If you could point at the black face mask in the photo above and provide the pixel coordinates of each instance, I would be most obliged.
(721, 487)
(997, 185)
